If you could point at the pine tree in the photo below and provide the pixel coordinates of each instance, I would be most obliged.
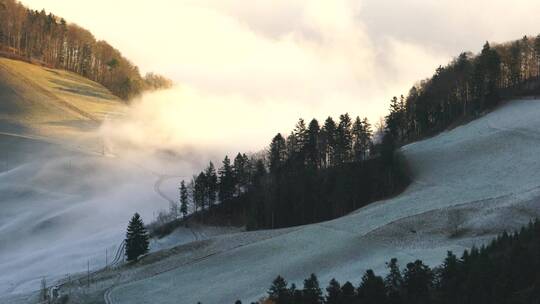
(417, 282)
(328, 142)
(240, 172)
(183, 199)
(211, 184)
(333, 292)
(365, 137)
(348, 293)
(312, 293)
(450, 277)
(344, 139)
(301, 134)
(313, 157)
(393, 281)
(137, 240)
(372, 289)
(199, 191)
(277, 154)
(278, 291)
(226, 181)
(357, 132)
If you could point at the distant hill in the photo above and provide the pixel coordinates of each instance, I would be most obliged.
(39, 101)
(45, 39)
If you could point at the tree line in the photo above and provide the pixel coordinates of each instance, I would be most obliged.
(466, 87)
(322, 172)
(313, 174)
(40, 37)
(507, 270)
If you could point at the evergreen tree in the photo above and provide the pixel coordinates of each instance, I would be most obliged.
(357, 132)
(313, 155)
(301, 135)
(365, 138)
(344, 139)
(240, 171)
(312, 293)
(278, 291)
(328, 142)
(137, 240)
(226, 181)
(372, 289)
(393, 282)
(450, 278)
(417, 282)
(199, 191)
(183, 199)
(211, 184)
(394, 118)
(348, 293)
(277, 154)
(333, 293)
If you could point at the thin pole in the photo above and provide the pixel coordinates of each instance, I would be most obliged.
(88, 273)
(106, 258)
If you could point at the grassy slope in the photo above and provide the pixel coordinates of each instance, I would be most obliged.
(51, 103)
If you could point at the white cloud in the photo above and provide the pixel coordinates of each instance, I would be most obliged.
(305, 58)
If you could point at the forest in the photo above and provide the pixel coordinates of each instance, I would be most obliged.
(317, 173)
(43, 38)
(465, 88)
(505, 271)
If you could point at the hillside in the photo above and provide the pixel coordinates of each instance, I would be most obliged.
(50, 40)
(56, 104)
(470, 184)
(49, 151)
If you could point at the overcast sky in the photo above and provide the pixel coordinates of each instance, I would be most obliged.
(306, 58)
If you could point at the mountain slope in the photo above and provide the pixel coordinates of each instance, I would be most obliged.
(51, 167)
(469, 184)
(52, 103)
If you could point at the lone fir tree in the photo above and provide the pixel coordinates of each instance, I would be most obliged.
(183, 199)
(136, 238)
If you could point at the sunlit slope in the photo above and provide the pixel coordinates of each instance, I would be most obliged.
(470, 184)
(53, 103)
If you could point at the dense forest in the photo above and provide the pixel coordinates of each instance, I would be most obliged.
(505, 271)
(45, 39)
(319, 172)
(465, 88)
(314, 174)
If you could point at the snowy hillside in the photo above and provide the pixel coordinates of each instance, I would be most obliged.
(470, 184)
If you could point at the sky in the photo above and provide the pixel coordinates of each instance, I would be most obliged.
(255, 67)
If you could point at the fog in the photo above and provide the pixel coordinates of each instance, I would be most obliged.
(63, 207)
(244, 71)
(337, 56)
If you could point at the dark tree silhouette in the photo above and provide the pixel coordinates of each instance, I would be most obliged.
(43, 38)
(136, 238)
(183, 199)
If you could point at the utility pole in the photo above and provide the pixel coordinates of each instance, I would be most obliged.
(88, 273)
(106, 258)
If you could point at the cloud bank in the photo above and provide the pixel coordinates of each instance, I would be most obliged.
(253, 68)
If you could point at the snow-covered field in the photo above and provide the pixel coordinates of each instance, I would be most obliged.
(61, 209)
(470, 184)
